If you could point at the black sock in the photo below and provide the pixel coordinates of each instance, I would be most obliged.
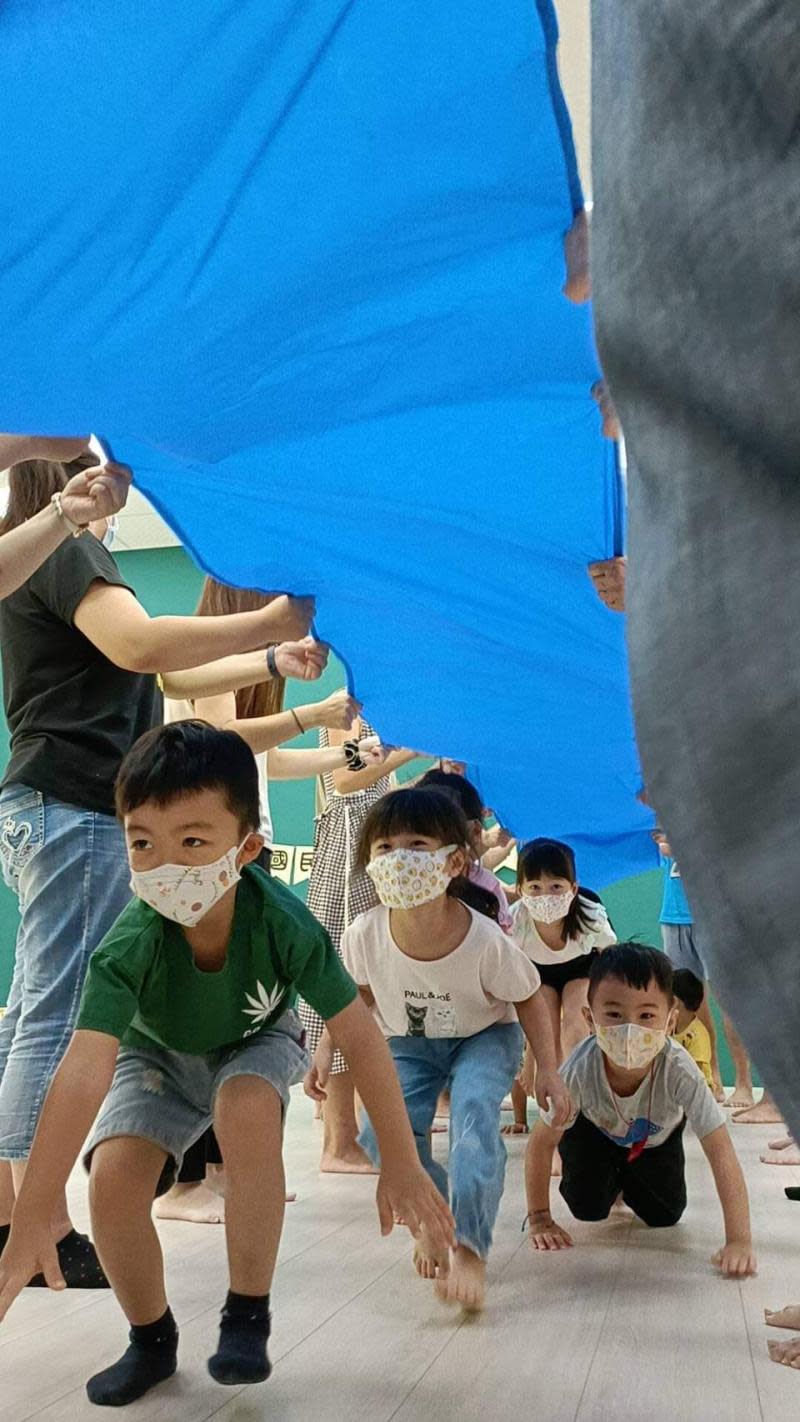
(79, 1263)
(792, 1192)
(242, 1353)
(151, 1358)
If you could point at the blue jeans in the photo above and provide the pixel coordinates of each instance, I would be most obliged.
(69, 870)
(479, 1071)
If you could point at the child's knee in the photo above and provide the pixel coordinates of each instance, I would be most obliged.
(244, 1098)
(660, 1217)
(125, 1171)
(584, 1206)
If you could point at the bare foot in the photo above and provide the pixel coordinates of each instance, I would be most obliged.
(787, 1155)
(764, 1114)
(197, 1204)
(519, 1128)
(782, 1143)
(465, 1285)
(786, 1353)
(788, 1317)
(718, 1091)
(742, 1098)
(354, 1162)
(427, 1265)
(578, 285)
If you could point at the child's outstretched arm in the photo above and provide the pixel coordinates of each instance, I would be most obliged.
(535, 1023)
(404, 1189)
(736, 1258)
(544, 1232)
(76, 1094)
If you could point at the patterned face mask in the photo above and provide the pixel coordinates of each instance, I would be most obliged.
(627, 1044)
(406, 878)
(548, 908)
(185, 893)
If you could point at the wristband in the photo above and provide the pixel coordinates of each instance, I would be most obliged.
(353, 757)
(301, 728)
(76, 529)
(272, 665)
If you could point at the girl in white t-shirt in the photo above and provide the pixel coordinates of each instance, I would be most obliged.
(453, 995)
(561, 930)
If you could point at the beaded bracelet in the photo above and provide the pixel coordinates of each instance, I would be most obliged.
(353, 756)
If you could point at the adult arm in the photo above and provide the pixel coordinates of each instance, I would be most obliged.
(736, 1259)
(263, 733)
(76, 1094)
(348, 781)
(303, 661)
(91, 494)
(16, 448)
(119, 627)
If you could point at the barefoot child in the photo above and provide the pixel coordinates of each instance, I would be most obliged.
(453, 996)
(689, 1031)
(632, 1091)
(197, 980)
(561, 931)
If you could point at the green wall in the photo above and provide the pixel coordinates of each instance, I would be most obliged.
(166, 581)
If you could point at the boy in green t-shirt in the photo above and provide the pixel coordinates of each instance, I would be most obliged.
(188, 1017)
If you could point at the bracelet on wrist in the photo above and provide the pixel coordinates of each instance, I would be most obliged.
(301, 728)
(272, 664)
(353, 756)
(76, 529)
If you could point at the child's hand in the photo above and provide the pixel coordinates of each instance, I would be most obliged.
(546, 1234)
(736, 1259)
(316, 1079)
(29, 1251)
(551, 1092)
(409, 1194)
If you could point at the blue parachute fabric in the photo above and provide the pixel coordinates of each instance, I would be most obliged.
(300, 264)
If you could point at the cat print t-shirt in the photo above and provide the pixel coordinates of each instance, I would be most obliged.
(470, 989)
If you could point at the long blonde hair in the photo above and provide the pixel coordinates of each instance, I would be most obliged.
(218, 599)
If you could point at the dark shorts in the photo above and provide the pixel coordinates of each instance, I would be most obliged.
(595, 1171)
(555, 975)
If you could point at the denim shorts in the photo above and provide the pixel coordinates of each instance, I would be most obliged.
(168, 1097)
(69, 869)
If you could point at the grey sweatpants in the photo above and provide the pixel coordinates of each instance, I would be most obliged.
(696, 274)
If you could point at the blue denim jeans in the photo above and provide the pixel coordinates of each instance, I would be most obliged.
(479, 1071)
(69, 870)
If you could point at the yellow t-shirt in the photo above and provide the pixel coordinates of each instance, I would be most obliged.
(698, 1044)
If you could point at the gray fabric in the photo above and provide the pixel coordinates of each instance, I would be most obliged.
(697, 291)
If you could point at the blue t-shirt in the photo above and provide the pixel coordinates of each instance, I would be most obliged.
(675, 905)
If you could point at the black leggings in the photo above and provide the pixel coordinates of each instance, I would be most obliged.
(206, 1151)
(595, 1171)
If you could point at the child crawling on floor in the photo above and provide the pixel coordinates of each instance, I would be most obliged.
(632, 1089)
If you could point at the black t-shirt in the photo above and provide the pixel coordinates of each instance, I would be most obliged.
(72, 714)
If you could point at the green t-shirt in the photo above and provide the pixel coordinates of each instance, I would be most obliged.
(143, 986)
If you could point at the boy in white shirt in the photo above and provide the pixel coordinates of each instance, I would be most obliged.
(632, 1090)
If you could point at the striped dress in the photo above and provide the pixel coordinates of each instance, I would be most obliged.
(337, 891)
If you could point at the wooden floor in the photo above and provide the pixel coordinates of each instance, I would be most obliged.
(631, 1326)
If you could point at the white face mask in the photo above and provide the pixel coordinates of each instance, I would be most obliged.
(186, 892)
(627, 1044)
(406, 878)
(548, 908)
